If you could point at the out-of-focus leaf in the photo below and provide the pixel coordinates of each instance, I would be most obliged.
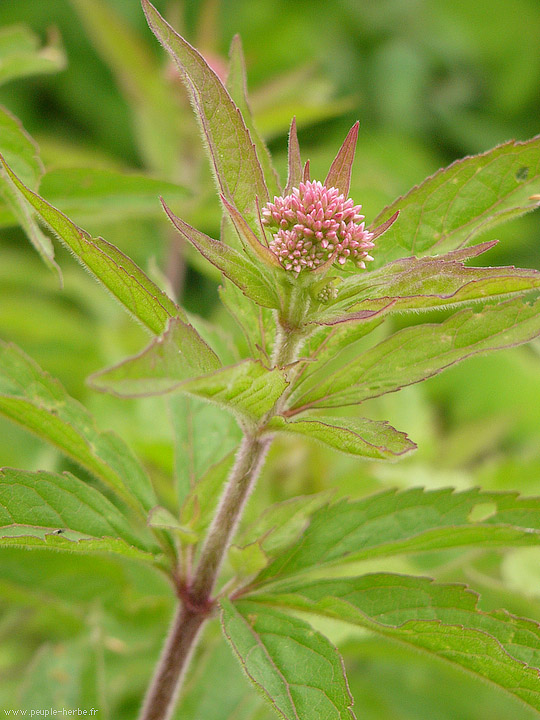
(125, 280)
(49, 503)
(418, 352)
(449, 209)
(203, 433)
(234, 264)
(22, 152)
(442, 620)
(296, 668)
(99, 195)
(157, 114)
(417, 284)
(356, 436)
(393, 523)
(237, 87)
(20, 54)
(231, 151)
(39, 403)
(180, 353)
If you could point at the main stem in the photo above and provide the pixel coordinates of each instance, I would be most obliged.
(196, 593)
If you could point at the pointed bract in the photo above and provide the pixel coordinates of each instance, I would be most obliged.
(294, 178)
(339, 175)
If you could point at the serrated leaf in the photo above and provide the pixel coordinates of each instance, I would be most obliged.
(120, 275)
(237, 87)
(230, 148)
(169, 360)
(356, 436)
(39, 403)
(449, 209)
(22, 152)
(416, 353)
(297, 668)
(393, 523)
(49, 503)
(92, 195)
(20, 54)
(233, 264)
(418, 284)
(339, 175)
(443, 620)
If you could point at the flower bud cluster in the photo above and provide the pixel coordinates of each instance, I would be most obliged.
(314, 225)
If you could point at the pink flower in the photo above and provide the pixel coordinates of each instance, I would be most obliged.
(316, 225)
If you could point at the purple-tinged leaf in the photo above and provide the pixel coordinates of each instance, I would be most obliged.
(306, 177)
(120, 275)
(237, 87)
(294, 177)
(297, 669)
(245, 274)
(248, 238)
(381, 229)
(416, 353)
(424, 283)
(457, 203)
(177, 355)
(231, 150)
(339, 175)
(357, 436)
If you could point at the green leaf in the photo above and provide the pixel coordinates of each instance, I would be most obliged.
(416, 353)
(418, 284)
(125, 280)
(237, 87)
(297, 669)
(356, 436)
(22, 152)
(443, 620)
(449, 209)
(160, 517)
(53, 502)
(229, 144)
(39, 403)
(248, 560)
(202, 433)
(20, 54)
(169, 360)
(235, 265)
(92, 195)
(154, 104)
(393, 523)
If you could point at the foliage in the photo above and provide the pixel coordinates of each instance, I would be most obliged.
(95, 539)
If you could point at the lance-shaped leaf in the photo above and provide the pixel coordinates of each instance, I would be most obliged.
(298, 670)
(180, 361)
(39, 403)
(22, 152)
(60, 511)
(392, 523)
(423, 283)
(357, 436)
(237, 87)
(443, 620)
(230, 148)
(339, 175)
(21, 54)
(235, 265)
(120, 275)
(418, 352)
(294, 177)
(180, 353)
(449, 209)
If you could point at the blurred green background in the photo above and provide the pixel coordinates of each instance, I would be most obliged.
(430, 82)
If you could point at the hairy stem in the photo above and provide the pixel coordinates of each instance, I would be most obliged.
(196, 593)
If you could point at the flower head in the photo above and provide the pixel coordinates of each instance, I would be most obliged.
(315, 224)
